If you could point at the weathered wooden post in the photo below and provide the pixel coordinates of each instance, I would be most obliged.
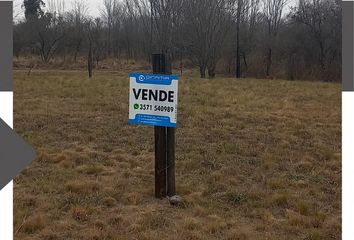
(164, 143)
(159, 67)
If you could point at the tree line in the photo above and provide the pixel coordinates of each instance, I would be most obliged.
(240, 38)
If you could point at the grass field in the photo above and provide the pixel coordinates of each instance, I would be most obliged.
(256, 159)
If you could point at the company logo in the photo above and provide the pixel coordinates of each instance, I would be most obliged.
(142, 78)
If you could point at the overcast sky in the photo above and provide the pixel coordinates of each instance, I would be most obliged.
(94, 7)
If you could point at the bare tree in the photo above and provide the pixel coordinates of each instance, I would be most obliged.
(78, 13)
(48, 32)
(242, 7)
(90, 55)
(317, 16)
(108, 14)
(248, 33)
(17, 11)
(95, 42)
(206, 23)
(273, 15)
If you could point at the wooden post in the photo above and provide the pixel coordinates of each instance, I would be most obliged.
(159, 67)
(160, 162)
(164, 143)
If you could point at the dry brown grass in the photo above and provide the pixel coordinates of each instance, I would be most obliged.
(256, 159)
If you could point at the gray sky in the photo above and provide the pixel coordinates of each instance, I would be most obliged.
(94, 7)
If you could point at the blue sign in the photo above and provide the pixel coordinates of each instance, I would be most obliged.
(153, 99)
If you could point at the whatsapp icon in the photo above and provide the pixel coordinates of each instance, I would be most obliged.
(136, 106)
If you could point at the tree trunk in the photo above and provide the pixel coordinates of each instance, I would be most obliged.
(269, 62)
(238, 58)
(109, 40)
(77, 50)
(90, 61)
(245, 62)
(291, 67)
(322, 56)
(202, 69)
(211, 71)
(75, 57)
